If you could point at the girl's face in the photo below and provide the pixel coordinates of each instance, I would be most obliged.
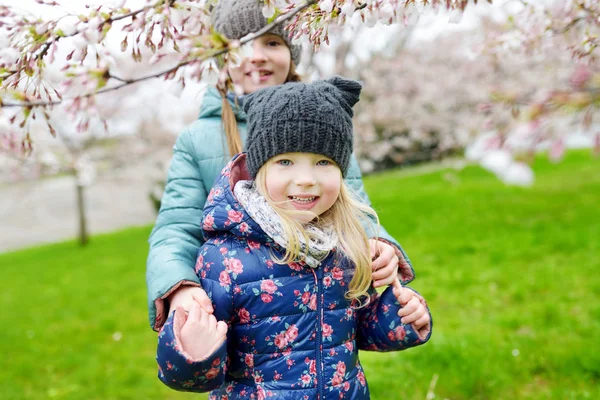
(269, 64)
(303, 181)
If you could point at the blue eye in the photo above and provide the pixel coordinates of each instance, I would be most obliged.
(284, 163)
(324, 162)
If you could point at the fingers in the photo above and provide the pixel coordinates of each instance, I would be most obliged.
(222, 328)
(423, 321)
(411, 312)
(200, 297)
(387, 274)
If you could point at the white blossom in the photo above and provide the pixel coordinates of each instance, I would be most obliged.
(518, 174)
(8, 56)
(348, 8)
(67, 25)
(326, 5)
(386, 12)
(268, 11)
(455, 16)
(496, 161)
(79, 42)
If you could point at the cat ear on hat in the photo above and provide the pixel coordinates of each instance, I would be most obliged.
(348, 88)
(250, 100)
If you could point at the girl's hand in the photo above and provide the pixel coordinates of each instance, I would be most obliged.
(385, 263)
(199, 332)
(184, 296)
(413, 310)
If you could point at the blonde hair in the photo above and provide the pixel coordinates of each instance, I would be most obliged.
(345, 216)
(230, 127)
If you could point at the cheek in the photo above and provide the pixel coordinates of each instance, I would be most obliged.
(276, 189)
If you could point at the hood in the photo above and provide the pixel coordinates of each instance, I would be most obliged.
(223, 213)
(212, 106)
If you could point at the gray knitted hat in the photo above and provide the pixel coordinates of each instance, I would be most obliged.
(238, 18)
(301, 117)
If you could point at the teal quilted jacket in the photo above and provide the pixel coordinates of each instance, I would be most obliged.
(199, 155)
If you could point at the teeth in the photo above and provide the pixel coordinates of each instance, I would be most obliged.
(303, 199)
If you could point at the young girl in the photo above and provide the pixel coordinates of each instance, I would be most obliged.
(203, 149)
(286, 264)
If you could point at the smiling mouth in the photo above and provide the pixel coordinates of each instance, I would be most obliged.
(303, 200)
(259, 73)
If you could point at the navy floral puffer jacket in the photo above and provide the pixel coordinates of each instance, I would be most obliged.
(292, 333)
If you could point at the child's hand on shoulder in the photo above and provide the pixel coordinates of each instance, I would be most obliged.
(413, 309)
(199, 333)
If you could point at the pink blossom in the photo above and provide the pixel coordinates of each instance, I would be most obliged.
(224, 278)
(266, 298)
(280, 341)
(208, 223)
(292, 333)
(305, 297)
(249, 360)
(212, 373)
(361, 378)
(341, 368)
(400, 333)
(327, 330)
(337, 273)
(234, 216)
(268, 286)
(253, 244)
(235, 266)
(306, 379)
(244, 316)
(313, 302)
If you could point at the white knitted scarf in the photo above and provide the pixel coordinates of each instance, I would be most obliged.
(322, 239)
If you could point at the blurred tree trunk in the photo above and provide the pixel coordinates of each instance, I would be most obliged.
(82, 233)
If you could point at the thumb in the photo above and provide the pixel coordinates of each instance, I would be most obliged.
(202, 299)
(374, 248)
(397, 288)
(222, 328)
(179, 319)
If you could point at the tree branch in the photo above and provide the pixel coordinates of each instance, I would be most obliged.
(126, 82)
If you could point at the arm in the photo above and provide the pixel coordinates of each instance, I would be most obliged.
(354, 181)
(192, 348)
(178, 369)
(177, 234)
(380, 327)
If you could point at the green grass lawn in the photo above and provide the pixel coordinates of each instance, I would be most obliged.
(510, 275)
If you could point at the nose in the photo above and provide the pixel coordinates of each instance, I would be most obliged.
(258, 52)
(305, 177)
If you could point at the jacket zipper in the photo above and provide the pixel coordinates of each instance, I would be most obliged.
(319, 361)
(320, 317)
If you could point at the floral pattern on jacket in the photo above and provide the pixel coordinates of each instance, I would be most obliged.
(292, 333)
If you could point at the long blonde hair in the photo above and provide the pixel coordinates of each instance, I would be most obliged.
(345, 216)
(230, 127)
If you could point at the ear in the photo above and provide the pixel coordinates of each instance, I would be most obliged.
(348, 88)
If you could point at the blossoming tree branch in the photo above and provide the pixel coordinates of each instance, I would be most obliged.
(164, 27)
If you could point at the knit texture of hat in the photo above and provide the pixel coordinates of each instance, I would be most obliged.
(304, 118)
(238, 18)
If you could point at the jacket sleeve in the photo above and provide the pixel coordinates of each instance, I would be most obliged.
(176, 368)
(177, 234)
(355, 182)
(380, 329)
(178, 371)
